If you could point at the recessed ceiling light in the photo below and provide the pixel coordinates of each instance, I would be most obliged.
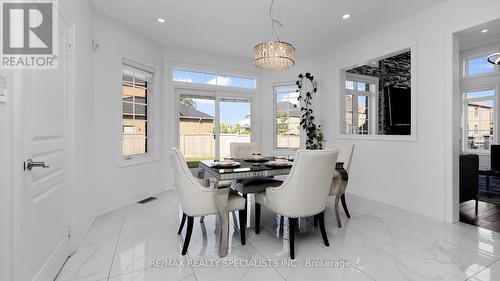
(161, 20)
(484, 30)
(346, 16)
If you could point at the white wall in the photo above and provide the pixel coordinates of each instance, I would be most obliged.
(116, 185)
(80, 190)
(411, 175)
(6, 160)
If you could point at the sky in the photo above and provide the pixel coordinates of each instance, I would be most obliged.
(231, 112)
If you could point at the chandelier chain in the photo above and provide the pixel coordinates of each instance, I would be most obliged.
(274, 21)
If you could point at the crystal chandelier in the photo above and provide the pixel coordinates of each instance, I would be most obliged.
(274, 55)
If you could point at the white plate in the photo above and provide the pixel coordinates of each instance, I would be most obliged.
(226, 164)
(279, 163)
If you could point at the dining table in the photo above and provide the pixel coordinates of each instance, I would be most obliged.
(244, 170)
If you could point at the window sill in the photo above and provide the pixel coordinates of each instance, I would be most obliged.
(137, 160)
(481, 152)
(410, 138)
(284, 151)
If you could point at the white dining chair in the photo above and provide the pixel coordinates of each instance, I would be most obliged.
(338, 185)
(243, 150)
(304, 193)
(197, 200)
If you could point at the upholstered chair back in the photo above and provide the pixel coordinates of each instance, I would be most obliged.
(345, 154)
(305, 190)
(195, 199)
(242, 150)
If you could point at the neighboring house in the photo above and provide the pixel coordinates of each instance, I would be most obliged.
(288, 118)
(480, 124)
(193, 121)
(245, 124)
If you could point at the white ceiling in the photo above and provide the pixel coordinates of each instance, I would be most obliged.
(474, 38)
(234, 27)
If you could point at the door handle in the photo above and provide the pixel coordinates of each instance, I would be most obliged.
(30, 164)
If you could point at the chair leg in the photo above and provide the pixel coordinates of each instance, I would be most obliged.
(337, 212)
(477, 205)
(321, 219)
(257, 218)
(189, 231)
(243, 225)
(315, 221)
(291, 238)
(282, 220)
(202, 219)
(344, 205)
(182, 223)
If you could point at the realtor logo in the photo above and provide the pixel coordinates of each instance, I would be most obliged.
(29, 34)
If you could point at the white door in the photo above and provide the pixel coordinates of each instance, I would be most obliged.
(42, 243)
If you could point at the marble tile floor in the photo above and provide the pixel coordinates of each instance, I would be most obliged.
(378, 242)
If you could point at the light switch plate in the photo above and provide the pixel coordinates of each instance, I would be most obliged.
(3, 89)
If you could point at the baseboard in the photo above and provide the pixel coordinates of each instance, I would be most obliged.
(130, 199)
(85, 227)
(383, 200)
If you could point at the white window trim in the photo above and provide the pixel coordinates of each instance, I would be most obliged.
(217, 92)
(465, 101)
(215, 71)
(372, 101)
(411, 46)
(217, 97)
(475, 53)
(153, 114)
(277, 149)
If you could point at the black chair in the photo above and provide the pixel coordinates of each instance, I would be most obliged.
(469, 178)
(494, 165)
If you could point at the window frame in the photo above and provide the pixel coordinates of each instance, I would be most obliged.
(465, 121)
(372, 102)
(152, 104)
(363, 59)
(474, 55)
(477, 83)
(216, 72)
(219, 92)
(275, 116)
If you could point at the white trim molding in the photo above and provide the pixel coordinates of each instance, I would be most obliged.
(381, 54)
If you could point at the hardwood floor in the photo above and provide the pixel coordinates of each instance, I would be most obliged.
(488, 215)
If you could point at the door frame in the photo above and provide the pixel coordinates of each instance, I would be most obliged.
(217, 96)
(19, 127)
(452, 115)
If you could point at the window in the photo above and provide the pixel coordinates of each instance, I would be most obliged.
(377, 100)
(213, 79)
(478, 65)
(357, 106)
(137, 86)
(479, 116)
(287, 116)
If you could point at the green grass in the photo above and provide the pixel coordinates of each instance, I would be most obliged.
(193, 162)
